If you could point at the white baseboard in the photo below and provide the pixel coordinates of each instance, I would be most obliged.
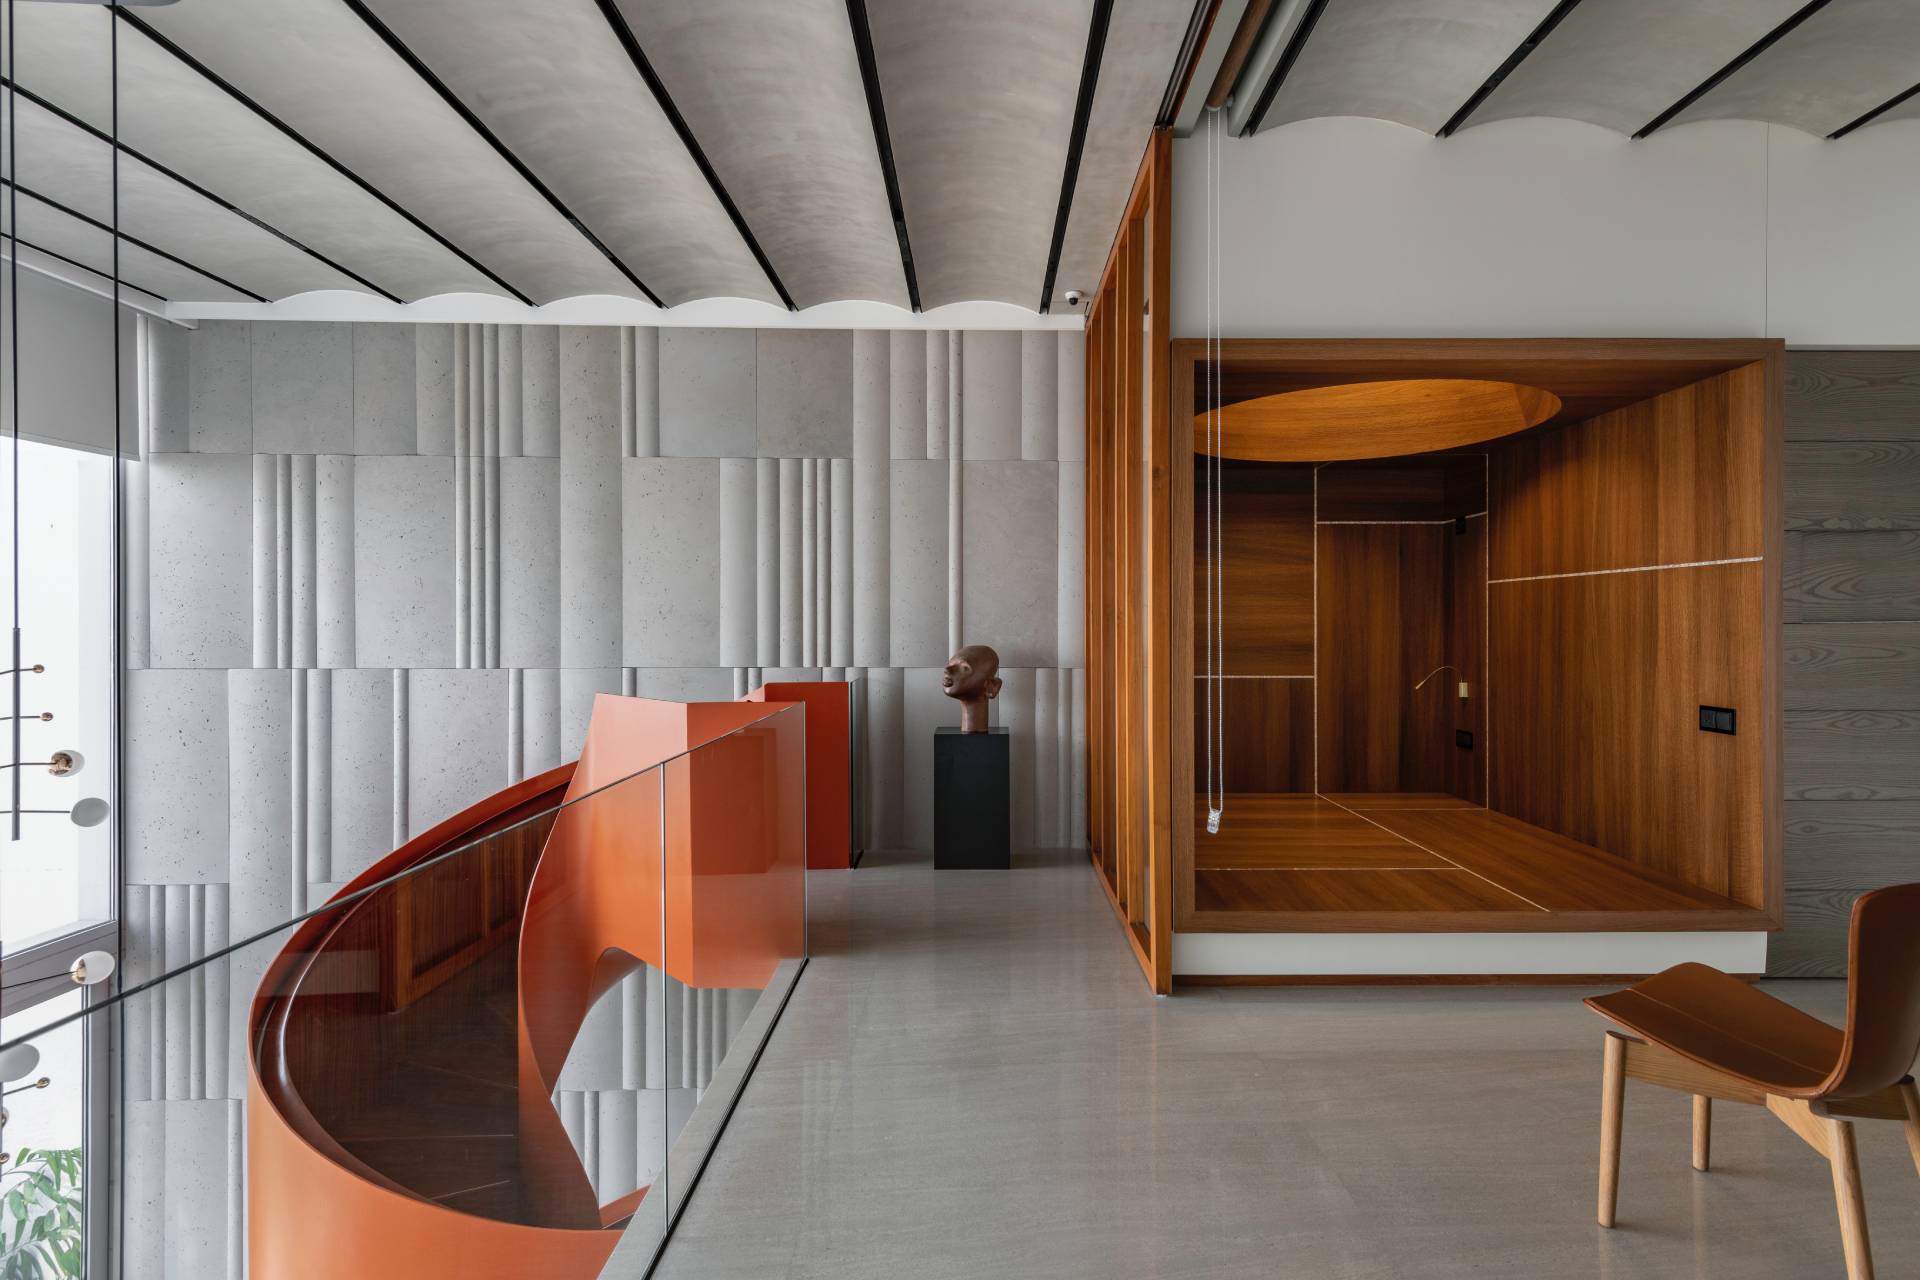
(1429, 954)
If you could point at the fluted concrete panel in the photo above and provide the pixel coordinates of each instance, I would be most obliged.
(578, 688)
(176, 782)
(674, 557)
(792, 546)
(739, 547)
(1012, 521)
(182, 1201)
(906, 395)
(1070, 402)
(992, 392)
(303, 387)
(333, 560)
(529, 562)
(137, 564)
(384, 409)
(589, 497)
(923, 707)
(539, 742)
(403, 561)
(1071, 592)
(938, 393)
(685, 684)
(708, 393)
(220, 387)
(804, 380)
(1039, 394)
(361, 760)
(457, 751)
(640, 365)
(257, 759)
(433, 390)
(200, 529)
(539, 391)
(838, 555)
(917, 568)
(766, 585)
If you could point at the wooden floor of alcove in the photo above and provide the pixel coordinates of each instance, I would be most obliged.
(1419, 862)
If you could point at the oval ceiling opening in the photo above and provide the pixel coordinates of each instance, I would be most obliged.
(1374, 419)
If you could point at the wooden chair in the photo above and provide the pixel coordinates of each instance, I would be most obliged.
(1697, 1030)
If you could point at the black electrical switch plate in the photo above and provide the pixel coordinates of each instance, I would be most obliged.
(1463, 738)
(1716, 719)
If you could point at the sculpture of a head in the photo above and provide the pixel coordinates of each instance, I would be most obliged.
(972, 676)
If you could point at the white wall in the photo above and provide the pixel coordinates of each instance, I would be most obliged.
(1356, 227)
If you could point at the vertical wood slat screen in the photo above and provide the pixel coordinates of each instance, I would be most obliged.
(1129, 570)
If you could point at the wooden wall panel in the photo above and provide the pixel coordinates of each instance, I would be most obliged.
(1427, 488)
(1268, 736)
(1671, 480)
(1853, 395)
(1863, 665)
(1868, 576)
(1382, 626)
(1267, 544)
(1867, 484)
(1851, 644)
(1598, 681)
(1465, 602)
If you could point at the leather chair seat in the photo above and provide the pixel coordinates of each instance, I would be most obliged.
(1724, 1023)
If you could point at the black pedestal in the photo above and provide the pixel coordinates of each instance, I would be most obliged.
(972, 814)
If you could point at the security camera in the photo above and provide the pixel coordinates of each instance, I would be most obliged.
(1074, 297)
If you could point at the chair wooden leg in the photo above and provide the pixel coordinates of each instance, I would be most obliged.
(1613, 1095)
(1910, 1094)
(1847, 1198)
(1702, 1131)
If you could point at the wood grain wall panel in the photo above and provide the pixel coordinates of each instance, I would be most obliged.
(1595, 718)
(1382, 626)
(1852, 644)
(1268, 743)
(1465, 604)
(1437, 487)
(1869, 665)
(1267, 545)
(1865, 576)
(1853, 395)
(1834, 850)
(1853, 755)
(1671, 480)
(1866, 484)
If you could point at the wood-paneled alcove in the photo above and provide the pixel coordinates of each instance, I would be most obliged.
(1593, 582)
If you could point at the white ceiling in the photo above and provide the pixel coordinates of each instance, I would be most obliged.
(686, 150)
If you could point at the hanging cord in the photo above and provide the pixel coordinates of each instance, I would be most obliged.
(1216, 709)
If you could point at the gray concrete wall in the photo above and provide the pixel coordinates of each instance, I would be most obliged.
(377, 572)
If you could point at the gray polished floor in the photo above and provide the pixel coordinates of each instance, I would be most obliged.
(972, 1080)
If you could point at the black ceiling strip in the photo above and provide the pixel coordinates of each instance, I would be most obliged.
(479, 126)
(1295, 43)
(233, 91)
(76, 263)
(1713, 81)
(195, 187)
(1181, 76)
(1874, 114)
(882, 138)
(135, 241)
(1514, 59)
(1077, 141)
(638, 56)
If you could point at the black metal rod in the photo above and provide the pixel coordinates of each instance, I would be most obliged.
(882, 139)
(217, 81)
(1076, 142)
(1199, 24)
(1874, 114)
(1747, 55)
(610, 9)
(205, 194)
(479, 126)
(75, 262)
(135, 241)
(1521, 52)
(1295, 43)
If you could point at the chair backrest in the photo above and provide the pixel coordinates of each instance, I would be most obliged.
(1883, 992)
